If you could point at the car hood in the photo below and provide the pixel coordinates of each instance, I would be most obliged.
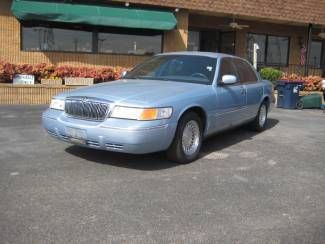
(142, 92)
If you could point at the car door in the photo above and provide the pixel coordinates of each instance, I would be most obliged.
(254, 88)
(231, 98)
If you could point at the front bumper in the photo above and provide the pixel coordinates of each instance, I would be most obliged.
(136, 137)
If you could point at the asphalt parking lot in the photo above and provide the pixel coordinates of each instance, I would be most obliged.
(245, 188)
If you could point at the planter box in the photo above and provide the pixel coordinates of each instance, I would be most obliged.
(51, 82)
(29, 94)
(77, 81)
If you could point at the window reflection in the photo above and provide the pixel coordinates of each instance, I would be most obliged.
(260, 41)
(129, 44)
(315, 54)
(277, 50)
(64, 37)
(55, 39)
(193, 41)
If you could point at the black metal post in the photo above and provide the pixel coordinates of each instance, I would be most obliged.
(309, 40)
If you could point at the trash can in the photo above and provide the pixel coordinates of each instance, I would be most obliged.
(310, 101)
(288, 93)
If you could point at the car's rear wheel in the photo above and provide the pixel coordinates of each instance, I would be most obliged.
(188, 139)
(260, 120)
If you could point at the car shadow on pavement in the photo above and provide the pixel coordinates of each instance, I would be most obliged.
(231, 137)
(158, 161)
(147, 162)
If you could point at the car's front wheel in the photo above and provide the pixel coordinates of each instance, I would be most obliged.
(188, 139)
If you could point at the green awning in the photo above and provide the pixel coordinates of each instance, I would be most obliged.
(100, 15)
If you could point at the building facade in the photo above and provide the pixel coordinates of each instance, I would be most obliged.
(288, 33)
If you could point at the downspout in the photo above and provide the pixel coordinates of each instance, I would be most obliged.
(309, 40)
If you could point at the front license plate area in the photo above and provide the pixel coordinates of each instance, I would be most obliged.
(76, 135)
(77, 141)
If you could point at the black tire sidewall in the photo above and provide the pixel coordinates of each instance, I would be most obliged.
(257, 121)
(177, 148)
(300, 105)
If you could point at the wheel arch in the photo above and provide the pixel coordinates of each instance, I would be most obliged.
(266, 99)
(199, 111)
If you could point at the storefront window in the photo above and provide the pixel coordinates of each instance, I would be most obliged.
(193, 43)
(277, 50)
(227, 44)
(129, 44)
(315, 54)
(45, 37)
(273, 50)
(260, 41)
(54, 39)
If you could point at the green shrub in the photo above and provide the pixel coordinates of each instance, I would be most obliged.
(271, 74)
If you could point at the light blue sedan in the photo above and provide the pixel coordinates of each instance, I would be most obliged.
(171, 102)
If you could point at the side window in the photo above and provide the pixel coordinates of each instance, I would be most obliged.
(245, 71)
(227, 68)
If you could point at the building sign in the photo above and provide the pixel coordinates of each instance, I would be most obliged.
(24, 79)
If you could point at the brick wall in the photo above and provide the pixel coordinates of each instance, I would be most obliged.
(300, 11)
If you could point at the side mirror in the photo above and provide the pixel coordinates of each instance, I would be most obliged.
(124, 73)
(229, 79)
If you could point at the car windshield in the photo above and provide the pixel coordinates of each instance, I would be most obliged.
(178, 68)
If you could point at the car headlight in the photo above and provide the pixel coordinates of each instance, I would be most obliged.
(57, 104)
(141, 113)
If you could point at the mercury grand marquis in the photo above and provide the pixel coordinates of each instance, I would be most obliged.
(170, 102)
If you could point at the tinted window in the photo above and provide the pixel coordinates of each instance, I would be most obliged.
(273, 50)
(277, 50)
(129, 44)
(245, 71)
(315, 54)
(55, 39)
(186, 68)
(227, 68)
(193, 41)
(260, 40)
(227, 44)
(46, 36)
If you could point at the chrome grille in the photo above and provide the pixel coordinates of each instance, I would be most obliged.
(87, 108)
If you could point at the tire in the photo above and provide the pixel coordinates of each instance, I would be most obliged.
(187, 142)
(260, 121)
(300, 105)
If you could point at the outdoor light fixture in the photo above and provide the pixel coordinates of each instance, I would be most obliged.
(127, 4)
(176, 10)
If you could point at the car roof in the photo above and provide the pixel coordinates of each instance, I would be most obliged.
(197, 53)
